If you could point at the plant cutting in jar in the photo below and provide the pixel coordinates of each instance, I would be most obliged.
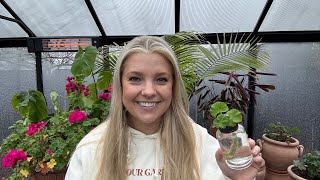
(228, 120)
(231, 135)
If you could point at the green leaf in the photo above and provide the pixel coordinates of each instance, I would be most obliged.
(20, 102)
(217, 108)
(221, 121)
(30, 104)
(86, 123)
(84, 61)
(104, 79)
(93, 91)
(235, 116)
(86, 102)
(54, 98)
(37, 106)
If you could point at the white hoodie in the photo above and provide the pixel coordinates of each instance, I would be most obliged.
(144, 156)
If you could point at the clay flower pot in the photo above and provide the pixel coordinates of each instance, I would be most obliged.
(276, 176)
(279, 155)
(49, 176)
(293, 176)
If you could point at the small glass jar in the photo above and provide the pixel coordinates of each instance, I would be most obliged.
(235, 147)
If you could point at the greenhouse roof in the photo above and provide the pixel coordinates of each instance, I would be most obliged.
(120, 20)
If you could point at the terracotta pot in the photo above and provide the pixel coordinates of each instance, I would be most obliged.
(279, 155)
(261, 172)
(49, 176)
(276, 176)
(293, 176)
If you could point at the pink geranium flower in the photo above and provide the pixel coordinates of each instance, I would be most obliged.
(69, 79)
(13, 157)
(8, 161)
(50, 151)
(105, 96)
(22, 156)
(33, 128)
(77, 116)
(41, 125)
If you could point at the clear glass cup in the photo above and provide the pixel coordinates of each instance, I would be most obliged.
(235, 147)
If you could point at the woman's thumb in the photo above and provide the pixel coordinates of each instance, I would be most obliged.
(219, 155)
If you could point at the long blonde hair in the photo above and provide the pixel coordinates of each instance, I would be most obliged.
(177, 136)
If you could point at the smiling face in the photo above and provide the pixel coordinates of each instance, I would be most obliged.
(147, 85)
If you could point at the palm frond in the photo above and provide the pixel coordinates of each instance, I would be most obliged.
(185, 46)
(232, 56)
(105, 65)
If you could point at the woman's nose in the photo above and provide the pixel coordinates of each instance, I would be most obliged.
(149, 89)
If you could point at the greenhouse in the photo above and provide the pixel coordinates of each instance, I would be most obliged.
(58, 60)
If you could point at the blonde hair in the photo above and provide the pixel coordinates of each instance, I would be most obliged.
(178, 142)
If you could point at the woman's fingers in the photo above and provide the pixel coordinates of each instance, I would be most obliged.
(255, 150)
(252, 143)
(258, 162)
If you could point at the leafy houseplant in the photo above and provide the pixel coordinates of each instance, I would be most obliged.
(279, 148)
(308, 167)
(42, 142)
(280, 132)
(231, 135)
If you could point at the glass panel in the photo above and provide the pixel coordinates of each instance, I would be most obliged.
(292, 15)
(56, 17)
(17, 72)
(4, 12)
(11, 29)
(220, 15)
(57, 65)
(296, 100)
(139, 17)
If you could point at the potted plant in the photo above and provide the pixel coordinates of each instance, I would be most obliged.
(279, 148)
(307, 167)
(231, 135)
(41, 144)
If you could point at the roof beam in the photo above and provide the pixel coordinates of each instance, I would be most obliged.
(13, 42)
(19, 21)
(8, 19)
(262, 16)
(267, 37)
(271, 37)
(95, 17)
(177, 16)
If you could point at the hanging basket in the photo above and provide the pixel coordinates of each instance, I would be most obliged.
(49, 176)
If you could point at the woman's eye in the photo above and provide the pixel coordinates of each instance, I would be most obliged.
(134, 79)
(162, 80)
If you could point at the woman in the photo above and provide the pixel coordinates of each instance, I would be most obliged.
(149, 134)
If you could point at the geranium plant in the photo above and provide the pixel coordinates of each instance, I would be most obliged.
(308, 166)
(223, 116)
(42, 142)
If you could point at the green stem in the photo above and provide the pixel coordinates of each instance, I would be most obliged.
(230, 154)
